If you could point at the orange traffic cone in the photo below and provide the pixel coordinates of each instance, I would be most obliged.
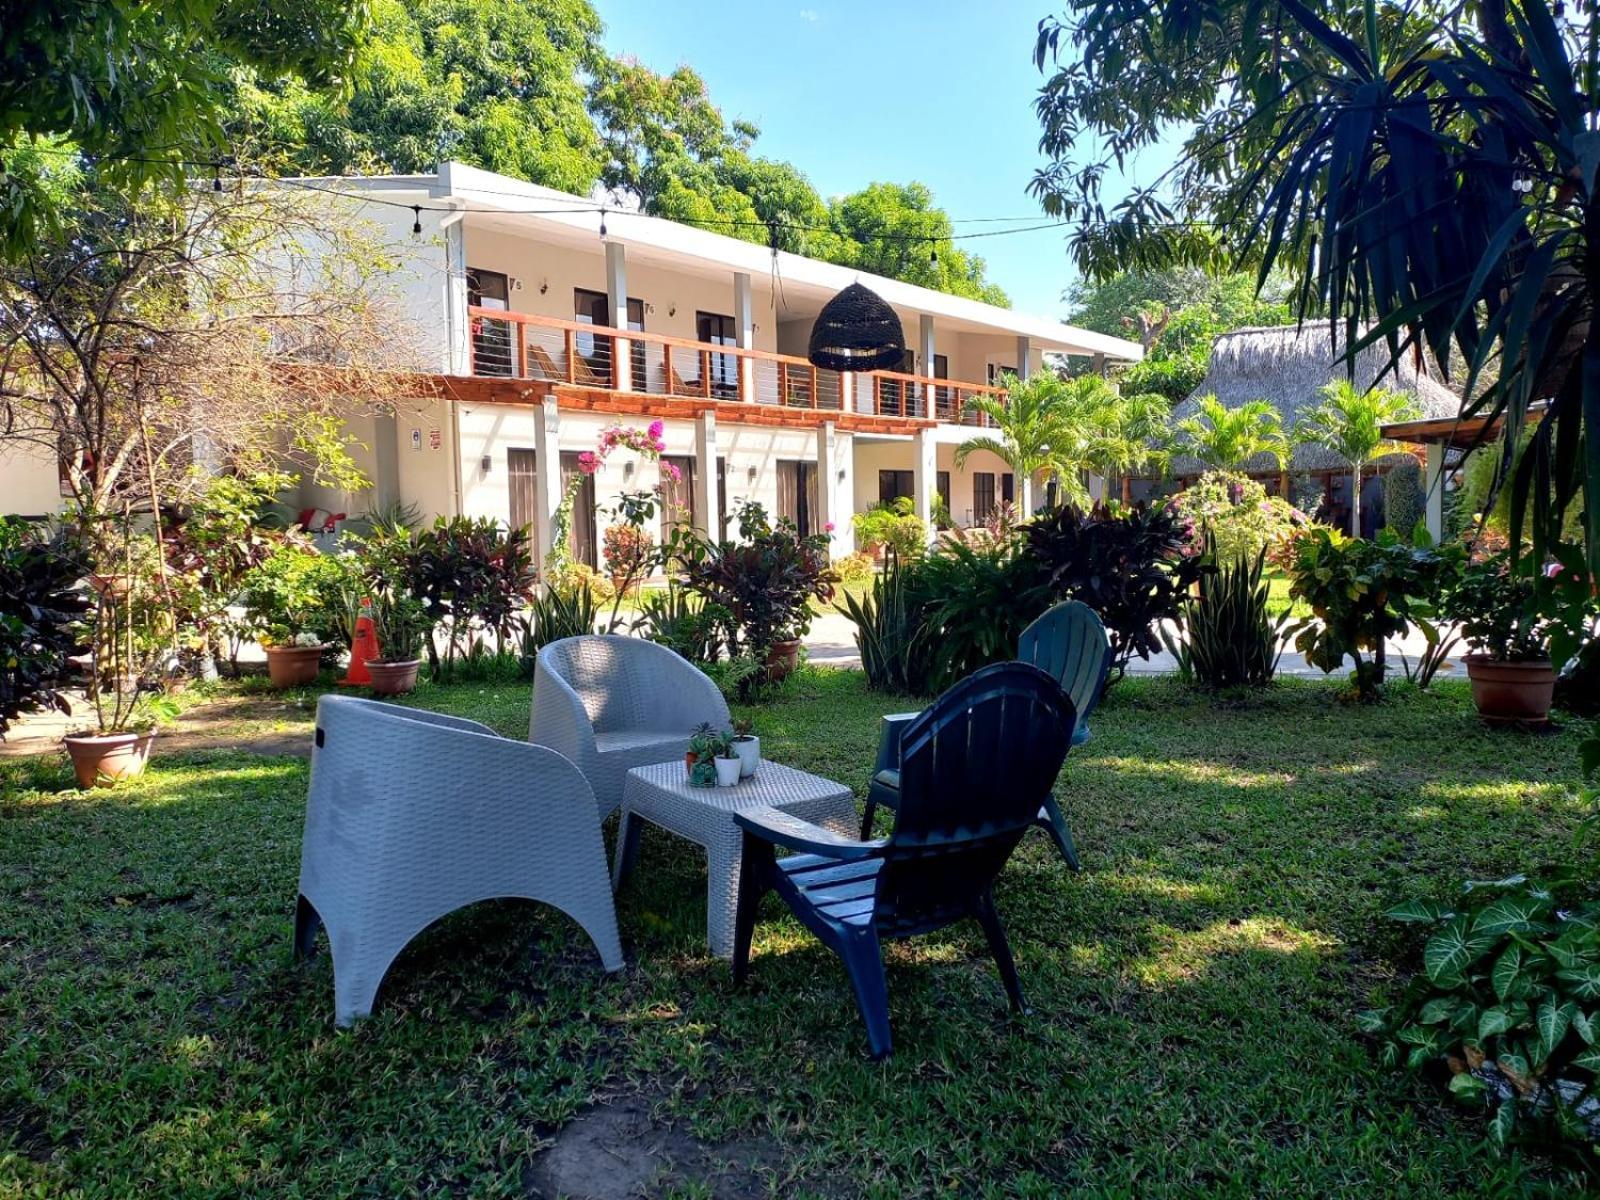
(363, 648)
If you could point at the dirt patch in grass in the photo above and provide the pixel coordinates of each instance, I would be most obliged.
(616, 1150)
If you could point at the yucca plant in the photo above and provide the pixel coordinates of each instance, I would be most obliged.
(561, 612)
(891, 629)
(1233, 641)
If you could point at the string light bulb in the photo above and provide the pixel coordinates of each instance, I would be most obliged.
(216, 177)
(416, 223)
(602, 224)
(933, 253)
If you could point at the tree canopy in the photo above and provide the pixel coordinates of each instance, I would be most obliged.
(137, 89)
(1426, 171)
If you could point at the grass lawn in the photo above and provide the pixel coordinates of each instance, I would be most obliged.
(1193, 988)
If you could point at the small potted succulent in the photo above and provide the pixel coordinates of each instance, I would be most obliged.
(702, 745)
(729, 765)
(1506, 617)
(401, 625)
(747, 746)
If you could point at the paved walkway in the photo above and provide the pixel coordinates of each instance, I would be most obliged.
(832, 643)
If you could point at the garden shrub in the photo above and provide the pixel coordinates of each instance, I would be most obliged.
(893, 525)
(1508, 1001)
(892, 630)
(1132, 567)
(1360, 594)
(1237, 514)
(42, 611)
(979, 600)
(467, 572)
(1230, 638)
(680, 620)
(855, 568)
(295, 593)
(1404, 502)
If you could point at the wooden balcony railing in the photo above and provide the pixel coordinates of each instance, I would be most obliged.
(522, 346)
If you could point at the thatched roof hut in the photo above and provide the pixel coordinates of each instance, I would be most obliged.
(1287, 366)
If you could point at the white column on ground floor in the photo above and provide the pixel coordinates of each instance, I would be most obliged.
(1024, 357)
(617, 307)
(833, 507)
(744, 328)
(546, 475)
(1025, 495)
(1433, 482)
(705, 474)
(924, 475)
(925, 357)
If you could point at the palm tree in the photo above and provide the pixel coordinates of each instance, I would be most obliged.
(1224, 438)
(1065, 427)
(1350, 423)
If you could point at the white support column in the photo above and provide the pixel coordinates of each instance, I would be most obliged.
(705, 475)
(744, 327)
(925, 359)
(546, 476)
(833, 506)
(617, 308)
(1024, 357)
(458, 325)
(1024, 496)
(924, 475)
(1433, 488)
(1097, 364)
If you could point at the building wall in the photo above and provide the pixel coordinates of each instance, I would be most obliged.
(872, 457)
(30, 481)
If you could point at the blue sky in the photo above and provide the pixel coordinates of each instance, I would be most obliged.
(878, 90)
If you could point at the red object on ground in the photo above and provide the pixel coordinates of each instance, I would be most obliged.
(363, 649)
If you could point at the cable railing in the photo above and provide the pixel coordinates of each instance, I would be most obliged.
(523, 346)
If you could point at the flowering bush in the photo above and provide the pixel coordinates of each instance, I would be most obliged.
(648, 443)
(855, 568)
(628, 551)
(1238, 515)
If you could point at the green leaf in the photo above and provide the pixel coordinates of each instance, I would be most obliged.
(1585, 981)
(1453, 949)
(1553, 1021)
(1494, 1020)
(1419, 911)
(1589, 1060)
(1467, 1086)
(1500, 1126)
(1518, 912)
(1507, 969)
(1438, 1010)
(1584, 1027)
(1373, 1020)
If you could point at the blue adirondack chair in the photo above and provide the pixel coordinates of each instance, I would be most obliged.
(975, 766)
(1068, 643)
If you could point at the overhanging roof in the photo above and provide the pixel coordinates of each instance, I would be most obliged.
(1455, 433)
(653, 239)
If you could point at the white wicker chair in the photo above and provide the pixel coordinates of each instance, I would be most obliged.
(413, 815)
(612, 703)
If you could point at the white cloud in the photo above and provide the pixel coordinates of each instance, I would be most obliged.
(810, 16)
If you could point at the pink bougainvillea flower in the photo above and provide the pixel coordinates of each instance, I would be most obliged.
(657, 428)
(828, 528)
(588, 462)
(672, 472)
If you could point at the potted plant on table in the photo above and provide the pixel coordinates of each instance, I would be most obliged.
(747, 746)
(729, 765)
(401, 625)
(1507, 617)
(699, 760)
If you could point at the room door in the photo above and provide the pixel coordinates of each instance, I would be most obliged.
(583, 542)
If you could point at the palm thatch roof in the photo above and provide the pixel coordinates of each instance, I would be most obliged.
(1287, 365)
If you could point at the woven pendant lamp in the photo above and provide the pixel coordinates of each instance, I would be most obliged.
(857, 331)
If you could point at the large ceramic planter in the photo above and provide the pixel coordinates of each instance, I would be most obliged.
(783, 658)
(393, 678)
(1509, 693)
(104, 758)
(293, 666)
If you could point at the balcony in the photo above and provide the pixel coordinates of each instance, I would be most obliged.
(520, 346)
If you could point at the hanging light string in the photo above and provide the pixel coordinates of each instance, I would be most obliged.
(577, 206)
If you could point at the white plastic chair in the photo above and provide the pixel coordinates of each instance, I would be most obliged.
(412, 815)
(612, 703)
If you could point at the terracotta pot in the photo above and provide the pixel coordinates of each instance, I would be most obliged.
(293, 666)
(113, 586)
(1511, 692)
(103, 758)
(393, 678)
(688, 761)
(783, 658)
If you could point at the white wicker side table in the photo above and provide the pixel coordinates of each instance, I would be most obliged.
(660, 794)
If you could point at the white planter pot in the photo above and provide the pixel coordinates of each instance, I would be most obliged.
(728, 771)
(749, 753)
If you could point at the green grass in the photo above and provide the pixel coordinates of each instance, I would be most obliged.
(1193, 988)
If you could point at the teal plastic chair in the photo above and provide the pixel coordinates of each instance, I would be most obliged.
(1069, 644)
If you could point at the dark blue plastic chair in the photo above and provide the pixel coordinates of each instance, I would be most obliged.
(975, 766)
(1068, 643)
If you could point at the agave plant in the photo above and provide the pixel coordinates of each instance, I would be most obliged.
(891, 629)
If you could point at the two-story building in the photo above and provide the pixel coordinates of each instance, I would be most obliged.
(542, 320)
